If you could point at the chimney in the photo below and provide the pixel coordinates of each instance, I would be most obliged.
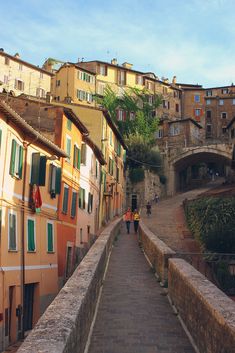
(174, 80)
(17, 55)
(114, 61)
(127, 65)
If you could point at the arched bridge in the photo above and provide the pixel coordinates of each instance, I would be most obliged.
(182, 165)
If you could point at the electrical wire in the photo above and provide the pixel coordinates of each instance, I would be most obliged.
(140, 162)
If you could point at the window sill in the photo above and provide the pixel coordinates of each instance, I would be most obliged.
(31, 251)
(51, 252)
(12, 250)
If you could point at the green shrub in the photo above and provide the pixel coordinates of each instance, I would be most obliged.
(136, 175)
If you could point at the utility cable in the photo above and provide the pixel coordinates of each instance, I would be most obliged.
(140, 162)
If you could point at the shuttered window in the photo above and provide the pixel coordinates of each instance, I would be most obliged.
(68, 148)
(90, 203)
(96, 169)
(117, 174)
(38, 170)
(50, 237)
(16, 161)
(31, 235)
(65, 199)
(69, 124)
(74, 204)
(12, 231)
(82, 198)
(76, 157)
(55, 181)
(83, 153)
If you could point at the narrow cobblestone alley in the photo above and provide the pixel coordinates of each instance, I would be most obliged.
(134, 315)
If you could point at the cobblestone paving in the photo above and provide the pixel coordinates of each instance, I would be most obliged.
(134, 315)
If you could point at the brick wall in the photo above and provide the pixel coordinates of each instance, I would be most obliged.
(157, 252)
(65, 325)
(208, 313)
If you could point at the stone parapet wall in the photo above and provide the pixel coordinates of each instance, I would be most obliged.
(157, 252)
(207, 312)
(65, 325)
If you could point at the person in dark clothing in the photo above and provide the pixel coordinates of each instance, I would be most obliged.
(148, 209)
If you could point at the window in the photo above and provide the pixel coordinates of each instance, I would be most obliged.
(224, 130)
(121, 115)
(76, 157)
(208, 114)
(224, 115)
(38, 169)
(139, 80)
(57, 83)
(177, 108)
(83, 153)
(6, 79)
(209, 93)
(101, 88)
(221, 102)
(41, 75)
(110, 137)
(20, 67)
(224, 91)
(150, 99)
(208, 101)
(121, 77)
(65, 199)
(159, 133)
(12, 231)
(174, 130)
(85, 77)
(31, 235)
(50, 237)
(16, 160)
(69, 124)
(90, 203)
(40, 92)
(73, 204)
(197, 98)
(164, 103)
(168, 105)
(7, 61)
(103, 70)
(81, 238)
(81, 201)
(197, 112)
(19, 85)
(54, 181)
(111, 163)
(68, 148)
(164, 90)
(208, 129)
(89, 97)
(150, 86)
(117, 174)
(81, 95)
(96, 169)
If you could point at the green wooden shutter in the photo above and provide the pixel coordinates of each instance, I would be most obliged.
(58, 180)
(112, 167)
(50, 245)
(13, 157)
(104, 181)
(74, 204)
(65, 200)
(20, 167)
(42, 171)
(84, 200)
(12, 231)
(31, 239)
(75, 156)
(88, 204)
(68, 148)
(91, 203)
(80, 198)
(79, 158)
(35, 168)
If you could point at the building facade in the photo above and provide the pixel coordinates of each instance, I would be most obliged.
(20, 77)
(28, 240)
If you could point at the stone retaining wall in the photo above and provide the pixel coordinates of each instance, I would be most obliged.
(65, 325)
(207, 312)
(157, 252)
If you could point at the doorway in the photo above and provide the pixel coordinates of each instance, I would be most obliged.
(134, 202)
(28, 306)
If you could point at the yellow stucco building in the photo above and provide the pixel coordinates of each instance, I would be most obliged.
(30, 178)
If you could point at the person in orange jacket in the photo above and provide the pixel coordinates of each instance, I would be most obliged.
(128, 217)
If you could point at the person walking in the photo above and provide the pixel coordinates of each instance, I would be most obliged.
(136, 218)
(148, 209)
(128, 217)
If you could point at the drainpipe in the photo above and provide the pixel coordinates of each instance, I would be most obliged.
(3, 287)
(25, 145)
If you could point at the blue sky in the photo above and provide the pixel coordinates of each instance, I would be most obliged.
(192, 39)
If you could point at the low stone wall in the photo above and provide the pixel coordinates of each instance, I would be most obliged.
(208, 313)
(157, 252)
(65, 325)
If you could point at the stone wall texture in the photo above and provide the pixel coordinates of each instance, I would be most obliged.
(65, 325)
(208, 313)
(157, 252)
